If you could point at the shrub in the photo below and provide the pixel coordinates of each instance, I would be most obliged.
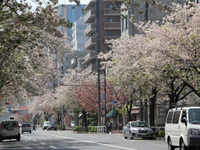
(78, 128)
(162, 133)
(58, 127)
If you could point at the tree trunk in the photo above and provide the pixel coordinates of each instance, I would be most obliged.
(152, 107)
(84, 119)
(130, 107)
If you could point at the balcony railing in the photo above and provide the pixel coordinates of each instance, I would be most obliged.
(110, 11)
(112, 25)
(90, 29)
(89, 70)
(89, 57)
(90, 43)
(89, 16)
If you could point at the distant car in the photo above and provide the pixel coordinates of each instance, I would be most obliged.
(26, 127)
(72, 124)
(51, 126)
(45, 125)
(137, 129)
(9, 129)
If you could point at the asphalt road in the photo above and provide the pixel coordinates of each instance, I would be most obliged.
(67, 140)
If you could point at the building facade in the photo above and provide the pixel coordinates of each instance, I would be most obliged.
(109, 28)
(78, 36)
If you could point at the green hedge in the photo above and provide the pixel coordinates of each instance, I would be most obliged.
(89, 129)
(160, 133)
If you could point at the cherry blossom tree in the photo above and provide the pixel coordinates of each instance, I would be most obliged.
(27, 36)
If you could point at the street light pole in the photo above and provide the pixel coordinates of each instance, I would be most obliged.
(105, 93)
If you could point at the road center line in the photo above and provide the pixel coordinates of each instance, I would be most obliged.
(53, 147)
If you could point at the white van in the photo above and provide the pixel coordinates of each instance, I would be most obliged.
(182, 128)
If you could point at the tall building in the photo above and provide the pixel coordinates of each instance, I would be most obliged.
(78, 35)
(109, 28)
(71, 13)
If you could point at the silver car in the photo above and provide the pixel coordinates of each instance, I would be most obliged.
(138, 129)
(26, 127)
(9, 129)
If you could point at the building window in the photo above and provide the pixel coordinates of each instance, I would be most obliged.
(119, 33)
(119, 19)
(109, 20)
(109, 6)
(110, 34)
(67, 67)
(66, 59)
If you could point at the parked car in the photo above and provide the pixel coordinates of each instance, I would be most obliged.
(9, 129)
(182, 128)
(26, 127)
(137, 129)
(51, 126)
(72, 124)
(45, 125)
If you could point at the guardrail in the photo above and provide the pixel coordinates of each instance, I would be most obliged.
(101, 129)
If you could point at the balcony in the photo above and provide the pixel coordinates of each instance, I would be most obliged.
(90, 29)
(89, 57)
(90, 43)
(110, 38)
(112, 25)
(111, 12)
(89, 16)
(90, 4)
(89, 70)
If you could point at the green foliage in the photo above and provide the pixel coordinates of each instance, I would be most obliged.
(58, 127)
(91, 121)
(160, 133)
(43, 121)
(78, 128)
(92, 129)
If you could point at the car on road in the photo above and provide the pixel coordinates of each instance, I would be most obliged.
(26, 127)
(72, 124)
(45, 125)
(9, 129)
(182, 128)
(137, 129)
(51, 126)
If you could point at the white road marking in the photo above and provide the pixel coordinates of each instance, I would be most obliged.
(157, 144)
(53, 147)
(29, 138)
(34, 140)
(42, 143)
(119, 147)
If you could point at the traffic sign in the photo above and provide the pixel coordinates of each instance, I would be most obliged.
(9, 109)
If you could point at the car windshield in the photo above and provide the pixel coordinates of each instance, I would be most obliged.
(11, 124)
(194, 117)
(139, 124)
(26, 125)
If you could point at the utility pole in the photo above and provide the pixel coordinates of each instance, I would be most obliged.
(97, 47)
(105, 93)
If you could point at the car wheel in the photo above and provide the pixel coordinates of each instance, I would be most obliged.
(30, 131)
(182, 145)
(130, 137)
(170, 146)
(125, 136)
(22, 132)
(1, 138)
(18, 138)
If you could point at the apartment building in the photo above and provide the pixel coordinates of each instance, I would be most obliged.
(109, 28)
